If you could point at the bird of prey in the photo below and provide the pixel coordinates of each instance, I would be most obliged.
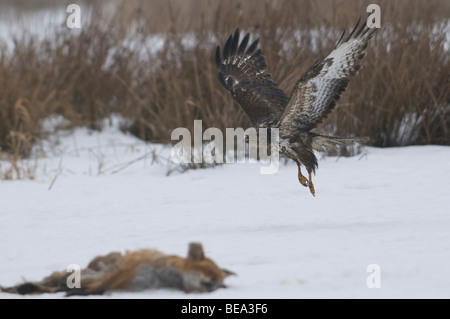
(242, 71)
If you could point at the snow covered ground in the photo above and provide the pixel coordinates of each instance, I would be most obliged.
(100, 192)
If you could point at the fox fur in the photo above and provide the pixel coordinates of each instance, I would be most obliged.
(135, 271)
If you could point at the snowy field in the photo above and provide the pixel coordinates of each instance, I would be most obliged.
(102, 192)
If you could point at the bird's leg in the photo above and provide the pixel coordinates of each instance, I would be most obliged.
(302, 179)
(311, 185)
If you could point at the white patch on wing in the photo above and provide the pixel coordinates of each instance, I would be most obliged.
(344, 58)
(243, 61)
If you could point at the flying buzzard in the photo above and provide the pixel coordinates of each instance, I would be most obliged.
(242, 71)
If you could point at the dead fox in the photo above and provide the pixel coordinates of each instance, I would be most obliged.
(136, 271)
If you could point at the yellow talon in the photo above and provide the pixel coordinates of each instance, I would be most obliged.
(302, 179)
(311, 186)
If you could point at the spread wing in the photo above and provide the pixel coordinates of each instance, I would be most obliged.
(242, 71)
(316, 93)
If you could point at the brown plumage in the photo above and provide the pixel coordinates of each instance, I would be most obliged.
(242, 71)
(136, 271)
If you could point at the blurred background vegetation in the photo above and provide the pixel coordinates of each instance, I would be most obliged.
(152, 63)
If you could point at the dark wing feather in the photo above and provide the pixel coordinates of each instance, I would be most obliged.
(317, 92)
(242, 71)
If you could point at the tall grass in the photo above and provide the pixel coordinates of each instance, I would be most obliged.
(152, 62)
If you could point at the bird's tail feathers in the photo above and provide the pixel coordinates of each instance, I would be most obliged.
(322, 143)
